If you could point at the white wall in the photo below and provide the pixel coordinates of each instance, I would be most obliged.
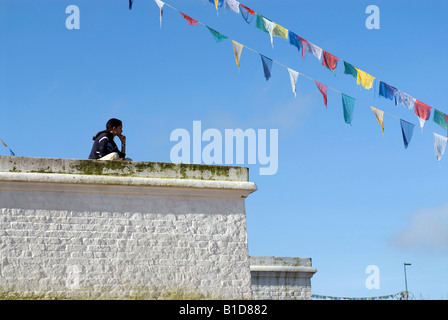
(82, 235)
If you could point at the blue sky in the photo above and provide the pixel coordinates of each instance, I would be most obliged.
(343, 195)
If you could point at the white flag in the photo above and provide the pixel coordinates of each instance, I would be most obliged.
(439, 145)
(270, 26)
(232, 5)
(160, 4)
(293, 75)
(315, 50)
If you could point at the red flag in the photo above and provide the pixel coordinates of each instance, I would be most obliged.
(329, 60)
(250, 10)
(190, 20)
(304, 45)
(422, 110)
(323, 89)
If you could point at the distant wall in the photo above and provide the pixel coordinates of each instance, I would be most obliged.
(88, 228)
(281, 278)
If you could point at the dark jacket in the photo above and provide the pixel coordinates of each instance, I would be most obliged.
(103, 145)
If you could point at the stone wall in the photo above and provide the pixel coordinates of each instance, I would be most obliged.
(113, 229)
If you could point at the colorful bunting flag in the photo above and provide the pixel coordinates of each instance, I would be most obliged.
(232, 5)
(267, 66)
(364, 79)
(293, 75)
(269, 26)
(160, 4)
(304, 45)
(379, 115)
(387, 91)
(323, 89)
(423, 112)
(405, 99)
(407, 130)
(349, 69)
(441, 119)
(281, 32)
(10, 151)
(216, 35)
(330, 61)
(237, 49)
(294, 40)
(248, 14)
(439, 145)
(190, 20)
(315, 50)
(259, 23)
(130, 4)
(348, 104)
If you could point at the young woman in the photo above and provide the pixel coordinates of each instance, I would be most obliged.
(104, 147)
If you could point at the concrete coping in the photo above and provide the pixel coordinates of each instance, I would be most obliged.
(124, 168)
(281, 264)
(131, 173)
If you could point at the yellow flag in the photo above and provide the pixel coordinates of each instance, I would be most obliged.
(3, 143)
(216, 5)
(379, 115)
(237, 49)
(279, 31)
(364, 79)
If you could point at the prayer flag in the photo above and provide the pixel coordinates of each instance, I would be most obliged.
(364, 79)
(246, 13)
(130, 4)
(294, 40)
(237, 49)
(348, 104)
(267, 66)
(330, 61)
(405, 99)
(349, 69)
(3, 143)
(423, 111)
(293, 75)
(160, 4)
(315, 50)
(407, 129)
(259, 23)
(269, 26)
(304, 45)
(279, 31)
(218, 36)
(379, 115)
(441, 119)
(190, 20)
(232, 5)
(439, 145)
(323, 89)
(387, 91)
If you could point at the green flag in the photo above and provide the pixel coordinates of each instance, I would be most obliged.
(349, 69)
(441, 119)
(218, 36)
(348, 104)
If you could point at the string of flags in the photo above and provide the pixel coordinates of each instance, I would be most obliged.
(10, 151)
(330, 61)
(396, 296)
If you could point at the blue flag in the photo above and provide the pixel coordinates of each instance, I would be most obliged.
(267, 66)
(294, 40)
(348, 104)
(407, 130)
(387, 91)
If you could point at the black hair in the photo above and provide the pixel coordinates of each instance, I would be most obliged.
(110, 125)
